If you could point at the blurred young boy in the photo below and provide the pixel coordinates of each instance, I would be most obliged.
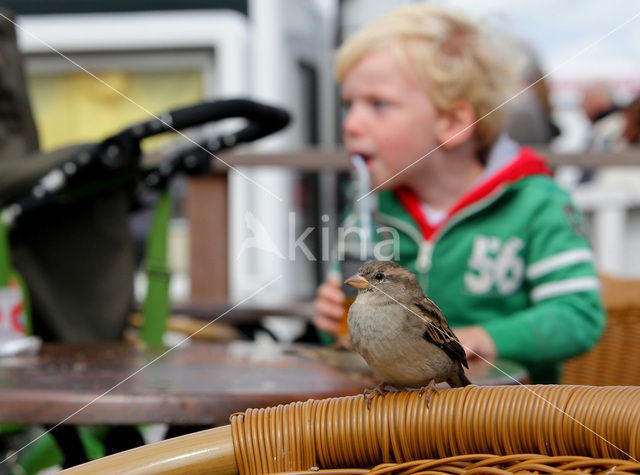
(494, 241)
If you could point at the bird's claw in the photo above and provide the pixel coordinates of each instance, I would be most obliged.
(369, 394)
(429, 389)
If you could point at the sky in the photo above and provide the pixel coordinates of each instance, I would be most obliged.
(560, 30)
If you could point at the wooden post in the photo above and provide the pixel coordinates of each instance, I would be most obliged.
(207, 206)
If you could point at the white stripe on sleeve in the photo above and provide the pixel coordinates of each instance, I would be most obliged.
(558, 261)
(563, 287)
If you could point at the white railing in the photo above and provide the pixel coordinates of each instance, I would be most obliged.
(611, 204)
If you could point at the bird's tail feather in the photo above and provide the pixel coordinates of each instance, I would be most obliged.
(458, 379)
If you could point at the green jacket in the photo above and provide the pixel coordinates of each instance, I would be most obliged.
(512, 257)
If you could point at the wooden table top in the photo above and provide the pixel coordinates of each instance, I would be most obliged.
(201, 383)
(195, 384)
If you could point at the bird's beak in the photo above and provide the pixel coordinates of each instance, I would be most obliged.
(358, 281)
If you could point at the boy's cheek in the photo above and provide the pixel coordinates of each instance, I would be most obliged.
(383, 179)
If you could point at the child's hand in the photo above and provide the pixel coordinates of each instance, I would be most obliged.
(477, 342)
(329, 305)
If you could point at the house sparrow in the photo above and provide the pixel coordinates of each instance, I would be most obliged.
(401, 333)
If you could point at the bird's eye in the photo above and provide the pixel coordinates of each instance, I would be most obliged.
(379, 276)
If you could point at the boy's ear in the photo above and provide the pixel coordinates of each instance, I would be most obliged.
(455, 126)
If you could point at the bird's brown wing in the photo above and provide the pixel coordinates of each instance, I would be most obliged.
(438, 330)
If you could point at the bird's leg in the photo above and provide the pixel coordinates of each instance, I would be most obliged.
(429, 389)
(369, 394)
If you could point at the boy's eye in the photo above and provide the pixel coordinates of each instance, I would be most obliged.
(380, 104)
(346, 105)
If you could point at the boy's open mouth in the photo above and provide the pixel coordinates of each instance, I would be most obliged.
(368, 159)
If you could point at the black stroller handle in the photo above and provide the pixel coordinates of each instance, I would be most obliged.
(263, 120)
(121, 152)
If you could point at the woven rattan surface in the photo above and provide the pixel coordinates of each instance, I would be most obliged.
(615, 360)
(495, 464)
(554, 420)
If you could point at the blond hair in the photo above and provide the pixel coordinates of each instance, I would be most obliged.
(447, 53)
